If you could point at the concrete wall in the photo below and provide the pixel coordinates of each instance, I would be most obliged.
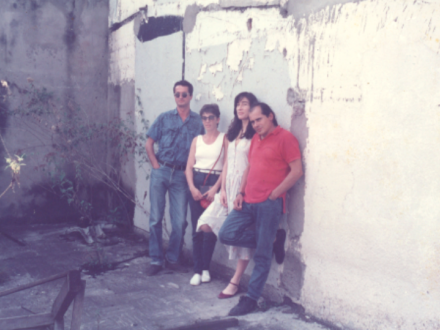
(63, 46)
(358, 83)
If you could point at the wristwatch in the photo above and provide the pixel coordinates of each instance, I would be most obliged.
(241, 193)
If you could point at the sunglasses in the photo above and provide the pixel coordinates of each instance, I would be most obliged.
(208, 118)
(177, 95)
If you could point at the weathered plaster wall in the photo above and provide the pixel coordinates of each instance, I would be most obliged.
(227, 59)
(358, 84)
(61, 45)
(370, 239)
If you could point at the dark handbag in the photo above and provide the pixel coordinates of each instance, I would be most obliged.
(203, 188)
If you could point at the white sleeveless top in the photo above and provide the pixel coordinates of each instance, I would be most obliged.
(207, 154)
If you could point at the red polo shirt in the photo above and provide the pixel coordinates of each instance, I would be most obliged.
(269, 164)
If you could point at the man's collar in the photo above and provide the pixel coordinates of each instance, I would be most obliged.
(191, 113)
(276, 131)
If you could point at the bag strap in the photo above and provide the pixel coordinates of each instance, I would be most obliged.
(221, 150)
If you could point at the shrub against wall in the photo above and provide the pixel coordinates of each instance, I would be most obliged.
(82, 158)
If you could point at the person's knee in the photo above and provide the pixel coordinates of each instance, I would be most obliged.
(206, 228)
(225, 236)
(155, 221)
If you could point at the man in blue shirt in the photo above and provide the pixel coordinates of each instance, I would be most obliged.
(174, 131)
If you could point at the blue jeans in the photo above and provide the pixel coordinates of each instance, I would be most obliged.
(203, 243)
(235, 231)
(162, 180)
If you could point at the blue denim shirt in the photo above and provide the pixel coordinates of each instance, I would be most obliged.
(174, 136)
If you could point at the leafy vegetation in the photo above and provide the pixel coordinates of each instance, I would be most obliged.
(79, 151)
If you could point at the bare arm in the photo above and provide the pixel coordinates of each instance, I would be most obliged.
(149, 147)
(238, 202)
(223, 196)
(209, 195)
(296, 171)
(189, 171)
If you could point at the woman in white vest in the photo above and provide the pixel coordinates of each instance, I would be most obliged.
(238, 141)
(204, 167)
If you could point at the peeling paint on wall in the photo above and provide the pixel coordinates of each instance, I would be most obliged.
(202, 72)
(345, 79)
(236, 50)
(216, 68)
(248, 3)
(217, 92)
(122, 55)
(190, 18)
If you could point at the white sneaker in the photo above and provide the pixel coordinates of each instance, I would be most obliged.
(195, 280)
(206, 277)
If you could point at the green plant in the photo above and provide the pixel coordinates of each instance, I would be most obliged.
(114, 216)
(80, 153)
(14, 164)
(98, 263)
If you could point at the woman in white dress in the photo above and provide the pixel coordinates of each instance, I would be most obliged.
(239, 135)
(205, 163)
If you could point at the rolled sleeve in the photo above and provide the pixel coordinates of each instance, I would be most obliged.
(155, 131)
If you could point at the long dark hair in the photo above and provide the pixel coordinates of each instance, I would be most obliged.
(236, 124)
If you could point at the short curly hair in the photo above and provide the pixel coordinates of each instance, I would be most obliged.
(210, 108)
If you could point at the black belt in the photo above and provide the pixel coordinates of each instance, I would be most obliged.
(174, 167)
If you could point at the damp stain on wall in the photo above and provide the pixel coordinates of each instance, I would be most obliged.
(156, 27)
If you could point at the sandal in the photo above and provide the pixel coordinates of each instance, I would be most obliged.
(225, 295)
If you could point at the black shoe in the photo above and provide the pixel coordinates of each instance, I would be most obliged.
(244, 306)
(153, 270)
(278, 246)
(177, 267)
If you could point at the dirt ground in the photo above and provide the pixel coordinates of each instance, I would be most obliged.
(118, 295)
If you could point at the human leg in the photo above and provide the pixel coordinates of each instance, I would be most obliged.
(232, 288)
(203, 243)
(178, 194)
(209, 240)
(233, 231)
(213, 217)
(268, 215)
(158, 188)
(206, 228)
(197, 237)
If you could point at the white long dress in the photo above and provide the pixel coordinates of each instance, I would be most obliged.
(216, 213)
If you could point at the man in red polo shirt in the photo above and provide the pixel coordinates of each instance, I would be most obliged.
(274, 167)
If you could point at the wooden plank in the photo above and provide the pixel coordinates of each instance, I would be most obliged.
(78, 304)
(59, 324)
(210, 325)
(60, 299)
(67, 293)
(31, 285)
(25, 322)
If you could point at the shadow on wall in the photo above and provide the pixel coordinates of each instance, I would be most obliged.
(292, 277)
(45, 205)
(4, 92)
